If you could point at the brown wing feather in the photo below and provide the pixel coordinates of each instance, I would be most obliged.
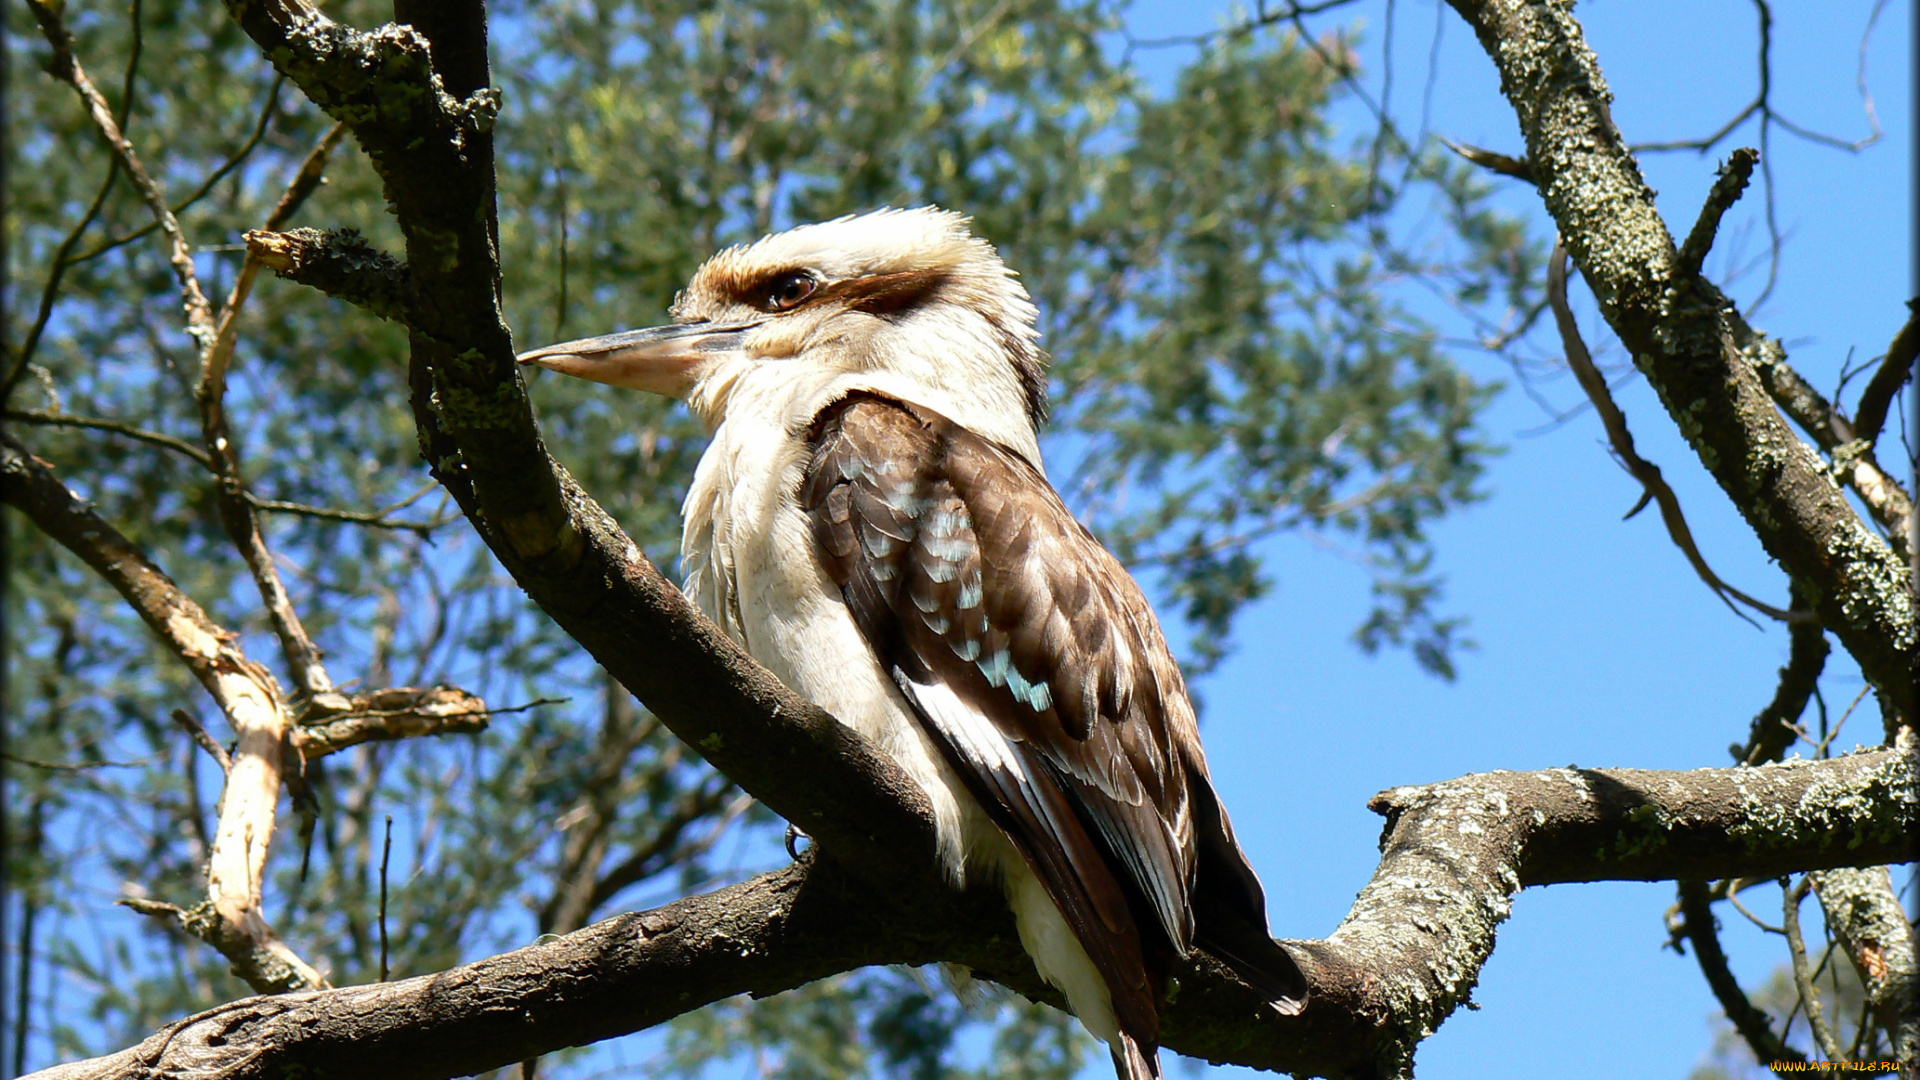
(974, 583)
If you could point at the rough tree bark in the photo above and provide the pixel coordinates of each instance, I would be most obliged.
(1691, 343)
(417, 99)
(1453, 856)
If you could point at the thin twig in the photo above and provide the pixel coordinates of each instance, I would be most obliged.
(1733, 898)
(379, 519)
(1260, 18)
(1825, 744)
(1621, 439)
(205, 741)
(1492, 160)
(386, 852)
(1823, 1034)
(72, 766)
(94, 423)
(233, 162)
(1753, 1024)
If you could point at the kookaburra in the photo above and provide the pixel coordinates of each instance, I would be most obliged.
(873, 523)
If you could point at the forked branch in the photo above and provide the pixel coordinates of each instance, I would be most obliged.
(1453, 857)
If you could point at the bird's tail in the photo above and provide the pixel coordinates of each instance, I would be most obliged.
(1135, 1060)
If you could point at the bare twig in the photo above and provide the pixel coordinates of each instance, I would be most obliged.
(234, 161)
(1823, 1033)
(1894, 371)
(386, 853)
(1732, 181)
(203, 740)
(1492, 160)
(1770, 116)
(1259, 18)
(71, 766)
(94, 423)
(1621, 439)
(1753, 1024)
(379, 519)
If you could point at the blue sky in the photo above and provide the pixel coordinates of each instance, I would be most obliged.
(1597, 646)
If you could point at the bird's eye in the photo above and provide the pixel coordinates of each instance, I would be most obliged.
(786, 292)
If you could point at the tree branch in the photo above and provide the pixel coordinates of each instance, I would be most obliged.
(341, 264)
(1775, 727)
(401, 712)
(1731, 182)
(244, 690)
(424, 114)
(1620, 439)
(1453, 856)
(231, 919)
(1688, 339)
(1752, 1023)
(1871, 414)
(1853, 457)
(1824, 1036)
(1864, 913)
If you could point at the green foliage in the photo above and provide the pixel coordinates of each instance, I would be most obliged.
(1238, 357)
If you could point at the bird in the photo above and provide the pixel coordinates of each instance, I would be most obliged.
(872, 521)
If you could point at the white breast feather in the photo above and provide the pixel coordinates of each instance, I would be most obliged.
(748, 553)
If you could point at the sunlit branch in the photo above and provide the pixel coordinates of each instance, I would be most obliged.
(1408, 954)
(1655, 486)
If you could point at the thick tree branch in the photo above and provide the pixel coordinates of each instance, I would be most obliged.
(1689, 341)
(1453, 856)
(424, 114)
(1864, 914)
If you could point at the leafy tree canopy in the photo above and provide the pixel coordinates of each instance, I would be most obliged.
(1238, 354)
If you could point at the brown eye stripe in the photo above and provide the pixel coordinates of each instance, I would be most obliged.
(875, 294)
(887, 294)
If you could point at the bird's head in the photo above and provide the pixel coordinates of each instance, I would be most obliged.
(902, 300)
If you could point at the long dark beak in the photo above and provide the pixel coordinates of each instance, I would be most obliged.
(661, 360)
